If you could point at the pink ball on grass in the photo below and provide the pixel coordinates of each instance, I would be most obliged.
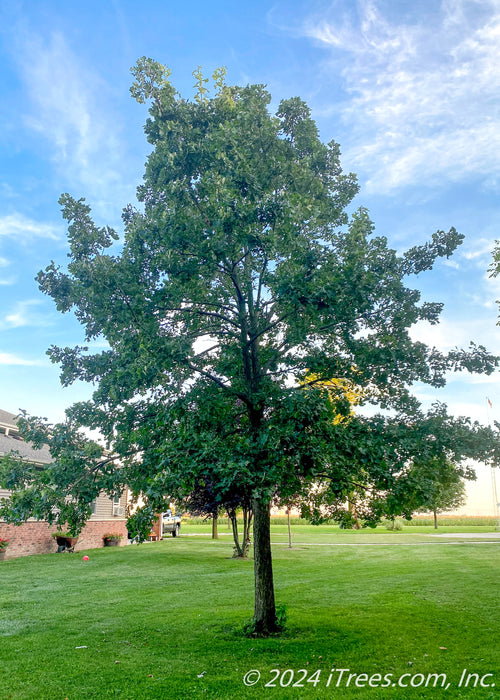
(85, 558)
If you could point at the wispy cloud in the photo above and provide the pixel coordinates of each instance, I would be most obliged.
(25, 313)
(7, 358)
(22, 229)
(6, 281)
(69, 109)
(480, 249)
(424, 91)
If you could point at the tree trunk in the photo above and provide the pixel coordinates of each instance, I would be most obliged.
(351, 506)
(247, 523)
(289, 529)
(265, 608)
(238, 551)
(435, 520)
(241, 549)
(215, 534)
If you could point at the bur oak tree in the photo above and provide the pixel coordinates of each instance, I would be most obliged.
(240, 274)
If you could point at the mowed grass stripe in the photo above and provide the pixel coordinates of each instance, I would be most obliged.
(164, 620)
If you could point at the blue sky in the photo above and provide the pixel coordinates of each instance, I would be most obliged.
(410, 90)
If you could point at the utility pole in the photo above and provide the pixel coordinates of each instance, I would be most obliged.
(496, 504)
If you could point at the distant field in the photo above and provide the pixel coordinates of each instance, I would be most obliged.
(164, 619)
(418, 521)
(302, 529)
(457, 520)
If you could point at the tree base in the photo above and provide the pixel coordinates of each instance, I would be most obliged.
(261, 630)
(265, 628)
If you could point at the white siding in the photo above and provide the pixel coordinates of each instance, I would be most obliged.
(104, 508)
(4, 493)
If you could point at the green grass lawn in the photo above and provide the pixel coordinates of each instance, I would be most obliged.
(163, 620)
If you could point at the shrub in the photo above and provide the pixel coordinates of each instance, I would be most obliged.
(393, 525)
(61, 534)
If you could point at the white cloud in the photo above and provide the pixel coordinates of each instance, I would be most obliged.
(424, 92)
(449, 334)
(24, 313)
(70, 111)
(22, 229)
(7, 358)
(481, 248)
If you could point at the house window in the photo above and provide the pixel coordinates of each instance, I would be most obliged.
(93, 506)
(117, 508)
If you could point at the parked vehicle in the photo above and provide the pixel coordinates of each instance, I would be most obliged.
(170, 523)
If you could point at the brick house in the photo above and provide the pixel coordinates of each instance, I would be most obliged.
(34, 536)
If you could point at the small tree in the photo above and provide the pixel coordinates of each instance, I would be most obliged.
(406, 465)
(440, 485)
(202, 501)
(208, 498)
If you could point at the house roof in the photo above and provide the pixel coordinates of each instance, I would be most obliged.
(8, 419)
(10, 443)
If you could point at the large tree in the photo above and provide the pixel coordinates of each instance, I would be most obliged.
(241, 275)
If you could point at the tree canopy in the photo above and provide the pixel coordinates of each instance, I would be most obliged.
(240, 288)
